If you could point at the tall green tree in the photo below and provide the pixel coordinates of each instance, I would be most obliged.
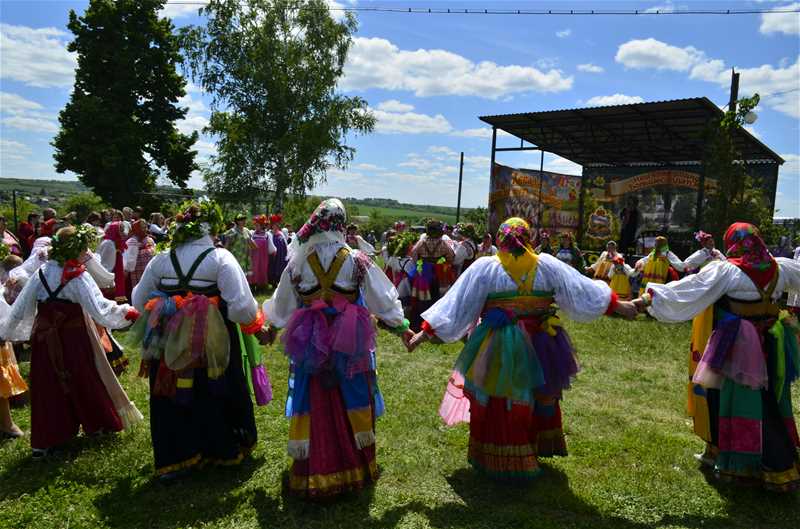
(118, 131)
(272, 67)
(737, 196)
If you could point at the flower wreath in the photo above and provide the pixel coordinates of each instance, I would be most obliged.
(197, 219)
(65, 249)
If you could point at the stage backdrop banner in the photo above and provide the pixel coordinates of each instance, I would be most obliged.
(526, 192)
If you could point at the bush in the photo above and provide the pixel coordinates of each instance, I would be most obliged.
(83, 204)
(24, 208)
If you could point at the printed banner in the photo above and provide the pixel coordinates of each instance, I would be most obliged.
(526, 192)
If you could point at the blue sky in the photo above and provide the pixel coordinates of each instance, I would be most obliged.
(429, 77)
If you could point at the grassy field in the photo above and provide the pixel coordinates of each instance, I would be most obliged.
(409, 215)
(630, 463)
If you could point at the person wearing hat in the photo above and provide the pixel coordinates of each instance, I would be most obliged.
(434, 272)
(280, 239)
(544, 243)
(239, 241)
(660, 266)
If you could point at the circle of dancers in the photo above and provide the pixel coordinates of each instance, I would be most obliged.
(184, 291)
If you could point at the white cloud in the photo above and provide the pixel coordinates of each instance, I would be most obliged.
(175, 9)
(393, 105)
(36, 56)
(16, 104)
(667, 7)
(766, 79)
(788, 23)
(557, 164)
(192, 123)
(564, 33)
(616, 99)
(590, 68)
(410, 123)
(481, 132)
(30, 123)
(377, 63)
(13, 150)
(652, 53)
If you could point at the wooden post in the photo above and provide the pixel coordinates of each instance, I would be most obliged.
(460, 179)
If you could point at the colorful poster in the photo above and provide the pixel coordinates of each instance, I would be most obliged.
(534, 195)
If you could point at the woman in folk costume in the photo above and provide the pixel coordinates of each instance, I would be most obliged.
(140, 249)
(750, 362)
(660, 266)
(398, 264)
(705, 255)
(569, 253)
(601, 269)
(355, 241)
(487, 247)
(72, 382)
(277, 263)
(702, 326)
(619, 278)
(793, 301)
(262, 253)
(198, 322)
(111, 250)
(325, 302)
(11, 382)
(509, 378)
(467, 248)
(239, 241)
(434, 272)
(544, 243)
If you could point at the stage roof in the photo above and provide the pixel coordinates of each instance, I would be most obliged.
(662, 133)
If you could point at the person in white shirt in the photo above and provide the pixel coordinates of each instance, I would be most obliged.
(705, 255)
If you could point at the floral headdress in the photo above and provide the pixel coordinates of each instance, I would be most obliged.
(702, 236)
(196, 220)
(68, 247)
(401, 243)
(514, 236)
(515, 252)
(434, 228)
(261, 220)
(330, 216)
(467, 231)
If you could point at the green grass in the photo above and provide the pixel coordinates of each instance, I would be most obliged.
(630, 464)
(409, 215)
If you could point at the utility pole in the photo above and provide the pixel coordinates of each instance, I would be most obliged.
(460, 179)
(734, 91)
(14, 202)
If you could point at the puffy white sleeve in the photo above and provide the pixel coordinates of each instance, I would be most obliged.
(454, 314)
(101, 276)
(271, 249)
(641, 262)
(625, 266)
(130, 254)
(790, 271)
(684, 299)
(17, 324)
(107, 252)
(460, 254)
(600, 259)
(581, 298)
(676, 262)
(695, 261)
(84, 290)
(147, 283)
(234, 289)
(365, 247)
(284, 301)
(381, 297)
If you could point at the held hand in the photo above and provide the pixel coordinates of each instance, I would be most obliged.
(267, 334)
(640, 305)
(418, 339)
(626, 309)
(407, 337)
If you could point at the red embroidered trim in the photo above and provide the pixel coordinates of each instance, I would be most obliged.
(132, 314)
(427, 329)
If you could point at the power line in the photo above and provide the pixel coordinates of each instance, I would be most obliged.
(534, 12)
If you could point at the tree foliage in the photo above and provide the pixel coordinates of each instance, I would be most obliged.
(738, 197)
(83, 204)
(272, 67)
(118, 130)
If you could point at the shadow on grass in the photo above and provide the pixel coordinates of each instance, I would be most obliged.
(203, 496)
(29, 475)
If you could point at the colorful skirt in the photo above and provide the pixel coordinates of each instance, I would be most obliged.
(196, 418)
(277, 261)
(746, 374)
(11, 382)
(514, 372)
(67, 392)
(259, 261)
(333, 398)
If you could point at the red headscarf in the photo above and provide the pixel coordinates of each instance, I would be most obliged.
(114, 233)
(138, 229)
(746, 249)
